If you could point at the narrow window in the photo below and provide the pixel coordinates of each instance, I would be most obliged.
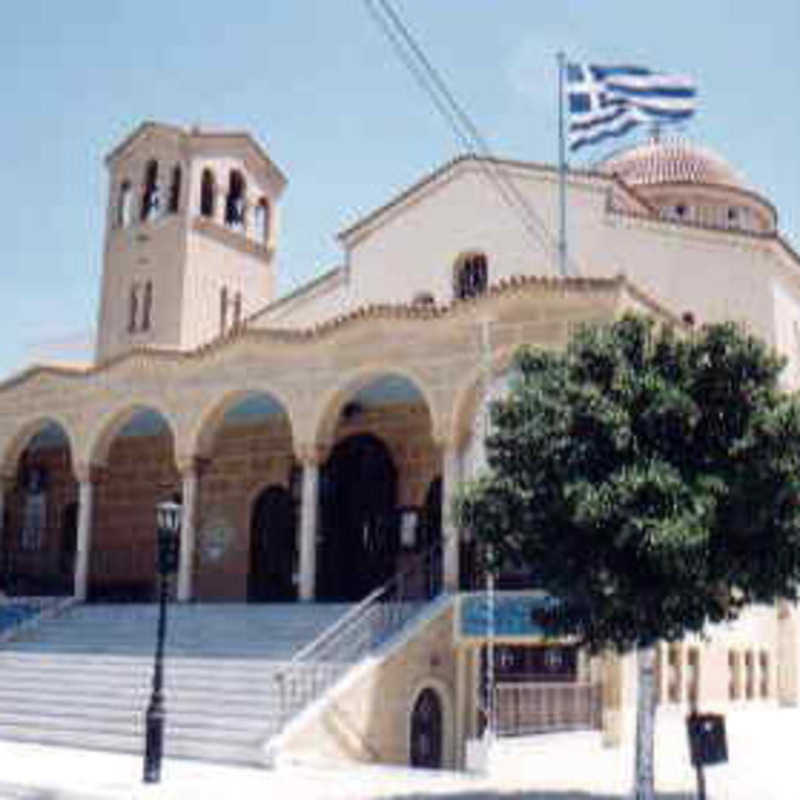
(471, 276)
(234, 202)
(175, 190)
(151, 196)
(223, 309)
(147, 305)
(750, 675)
(733, 675)
(658, 672)
(693, 675)
(207, 192)
(237, 309)
(124, 205)
(262, 220)
(675, 670)
(764, 663)
(133, 308)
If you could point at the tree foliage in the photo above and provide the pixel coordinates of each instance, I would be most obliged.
(650, 479)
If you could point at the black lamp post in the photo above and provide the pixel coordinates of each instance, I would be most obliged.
(168, 515)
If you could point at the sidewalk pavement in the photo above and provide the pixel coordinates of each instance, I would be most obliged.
(762, 746)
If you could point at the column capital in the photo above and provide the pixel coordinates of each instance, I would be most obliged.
(90, 473)
(192, 465)
(313, 453)
(446, 443)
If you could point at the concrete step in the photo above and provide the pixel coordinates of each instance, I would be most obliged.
(84, 678)
(219, 751)
(201, 727)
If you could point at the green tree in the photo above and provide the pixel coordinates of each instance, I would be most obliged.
(651, 481)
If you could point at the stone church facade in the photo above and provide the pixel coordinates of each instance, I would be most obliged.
(301, 431)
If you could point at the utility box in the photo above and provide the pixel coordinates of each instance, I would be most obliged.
(707, 741)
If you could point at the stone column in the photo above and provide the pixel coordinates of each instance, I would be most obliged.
(84, 540)
(190, 476)
(451, 476)
(310, 459)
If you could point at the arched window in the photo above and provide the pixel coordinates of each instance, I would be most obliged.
(133, 308)
(237, 309)
(147, 305)
(151, 196)
(262, 220)
(175, 190)
(235, 203)
(207, 192)
(124, 204)
(223, 309)
(471, 276)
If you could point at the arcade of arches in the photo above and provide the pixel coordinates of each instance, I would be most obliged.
(253, 502)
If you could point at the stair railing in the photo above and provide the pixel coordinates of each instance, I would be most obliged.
(364, 628)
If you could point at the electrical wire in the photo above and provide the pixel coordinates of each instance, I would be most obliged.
(466, 132)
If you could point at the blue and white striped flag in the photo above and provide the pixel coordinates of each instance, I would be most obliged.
(606, 102)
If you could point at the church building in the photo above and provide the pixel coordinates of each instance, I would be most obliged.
(316, 439)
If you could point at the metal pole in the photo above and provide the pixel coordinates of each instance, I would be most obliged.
(562, 173)
(486, 363)
(156, 714)
(701, 782)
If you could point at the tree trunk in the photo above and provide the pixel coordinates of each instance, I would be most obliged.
(644, 783)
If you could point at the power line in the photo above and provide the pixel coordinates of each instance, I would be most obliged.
(464, 129)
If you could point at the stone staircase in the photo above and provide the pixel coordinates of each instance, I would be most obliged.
(83, 678)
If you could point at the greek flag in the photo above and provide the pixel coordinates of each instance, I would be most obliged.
(607, 102)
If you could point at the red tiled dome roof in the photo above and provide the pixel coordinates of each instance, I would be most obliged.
(671, 161)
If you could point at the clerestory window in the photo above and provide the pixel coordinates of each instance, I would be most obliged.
(175, 190)
(151, 195)
(235, 200)
(471, 276)
(124, 200)
(207, 193)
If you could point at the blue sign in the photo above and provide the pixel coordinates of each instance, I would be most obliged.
(514, 614)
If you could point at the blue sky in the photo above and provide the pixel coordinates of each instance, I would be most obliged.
(318, 85)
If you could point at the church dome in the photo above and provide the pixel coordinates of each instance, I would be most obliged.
(671, 161)
(685, 182)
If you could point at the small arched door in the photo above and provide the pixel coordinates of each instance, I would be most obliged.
(273, 548)
(426, 731)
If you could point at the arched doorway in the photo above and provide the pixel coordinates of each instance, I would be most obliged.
(44, 487)
(426, 731)
(273, 548)
(245, 517)
(136, 448)
(358, 519)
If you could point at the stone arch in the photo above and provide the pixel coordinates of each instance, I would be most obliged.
(25, 432)
(447, 705)
(469, 392)
(100, 439)
(200, 437)
(326, 415)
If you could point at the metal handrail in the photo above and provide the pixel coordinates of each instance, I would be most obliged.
(364, 628)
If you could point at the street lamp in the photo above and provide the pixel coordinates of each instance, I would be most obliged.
(168, 516)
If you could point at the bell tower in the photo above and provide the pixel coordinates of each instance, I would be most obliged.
(191, 233)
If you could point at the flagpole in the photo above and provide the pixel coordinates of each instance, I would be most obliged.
(562, 173)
